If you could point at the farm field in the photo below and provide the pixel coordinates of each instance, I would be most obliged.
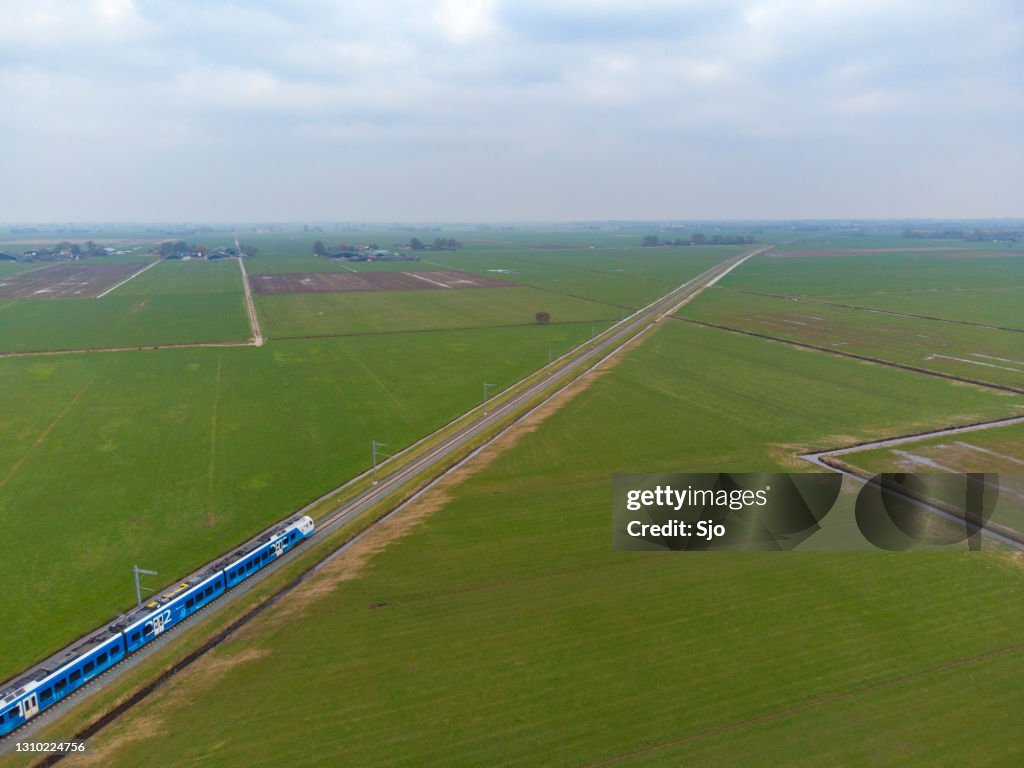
(171, 303)
(625, 276)
(980, 284)
(325, 314)
(504, 627)
(572, 286)
(168, 458)
(982, 354)
(122, 321)
(188, 277)
(629, 277)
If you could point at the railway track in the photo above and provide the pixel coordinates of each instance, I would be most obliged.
(616, 337)
(422, 471)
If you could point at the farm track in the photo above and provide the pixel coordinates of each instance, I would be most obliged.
(250, 307)
(415, 477)
(855, 356)
(128, 279)
(139, 348)
(809, 300)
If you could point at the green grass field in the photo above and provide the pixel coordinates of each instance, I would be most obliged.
(981, 284)
(121, 321)
(628, 277)
(982, 354)
(168, 458)
(322, 314)
(504, 629)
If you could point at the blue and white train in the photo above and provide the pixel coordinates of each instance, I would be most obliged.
(60, 675)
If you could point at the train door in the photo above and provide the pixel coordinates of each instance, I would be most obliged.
(159, 622)
(278, 547)
(30, 706)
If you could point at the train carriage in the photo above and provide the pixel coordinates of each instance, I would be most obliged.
(244, 563)
(155, 617)
(23, 698)
(58, 677)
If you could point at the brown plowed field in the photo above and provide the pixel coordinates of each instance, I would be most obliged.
(65, 281)
(338, 282)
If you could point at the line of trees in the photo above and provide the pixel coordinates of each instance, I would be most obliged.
(438, 244)
(698, 238)
(973, 235)
(68, 250)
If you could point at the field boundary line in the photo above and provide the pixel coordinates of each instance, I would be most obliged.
(128, 279)
(427, 279)
(250, 307)
(438, 330)
(1005, 421)
(810, 300)
(855, 356)
(139, 348)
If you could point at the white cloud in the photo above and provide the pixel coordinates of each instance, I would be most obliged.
(466, 21)
(711, 93)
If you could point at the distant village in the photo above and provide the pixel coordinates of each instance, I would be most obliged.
(372, 252)
(63, 251)
(179, 249)
(169, 249)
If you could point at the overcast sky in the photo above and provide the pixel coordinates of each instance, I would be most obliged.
(474, 110)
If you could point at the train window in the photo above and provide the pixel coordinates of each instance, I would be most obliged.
(248, 565)
(190, 603)
(208, 591)
(89, 667)
(135, 637)
(75, 675)
(115, 650)
(148, 629)
(101, 659)
(60, 685)
(46, 694)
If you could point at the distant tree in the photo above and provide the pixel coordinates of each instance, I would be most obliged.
(698, 239)
(318, 248)
(416, 244)
(651, 240)
(249, 251)
(201, 251)
(543, 318)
